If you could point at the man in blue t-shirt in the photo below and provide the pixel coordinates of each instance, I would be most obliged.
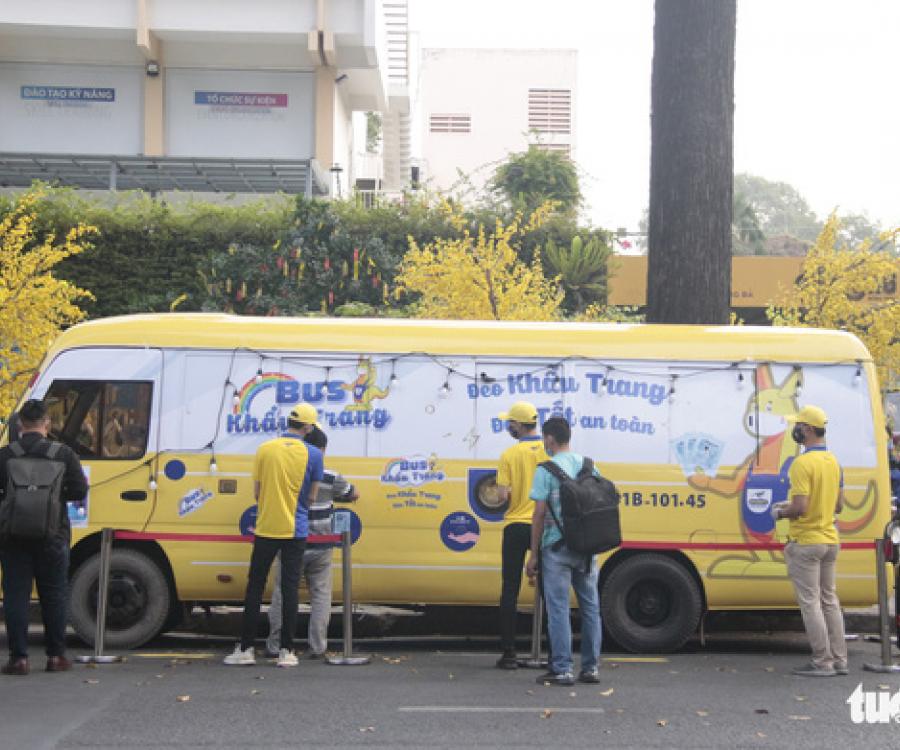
(562, 569)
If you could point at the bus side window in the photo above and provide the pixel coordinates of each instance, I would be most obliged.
(101, 419)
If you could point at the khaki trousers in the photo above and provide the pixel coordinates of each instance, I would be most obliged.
(811, 568)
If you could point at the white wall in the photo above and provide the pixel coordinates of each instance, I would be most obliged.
(71, 109)
(200, 124)
(491, 86)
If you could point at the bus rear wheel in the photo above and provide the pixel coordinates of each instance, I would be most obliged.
(138, 604)
(650, 603)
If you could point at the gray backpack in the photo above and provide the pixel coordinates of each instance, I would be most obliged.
(32, 507)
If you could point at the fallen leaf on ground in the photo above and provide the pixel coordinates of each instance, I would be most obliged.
(662, 723)
(367, 729)
(255, 692)
(547, 713)
(884, 687)
(761, 711)
(800, 698)
(183, 698)
(702, 713)
(572, 694)
(761, 734)
(92, 682)
(451, 676)
(530, 692)
(607, 693)
(769, 669)
(620, 710)
(260, 677)
(795, 717)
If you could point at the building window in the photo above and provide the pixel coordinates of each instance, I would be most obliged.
(451, 124)
(563, 148)
(550, 110)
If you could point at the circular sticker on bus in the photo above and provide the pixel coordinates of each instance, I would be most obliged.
(460, 532)
(175, 469)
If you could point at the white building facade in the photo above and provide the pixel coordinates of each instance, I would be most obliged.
(202, 95)
(474, 107)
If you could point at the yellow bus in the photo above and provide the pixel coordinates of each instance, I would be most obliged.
(166, 412)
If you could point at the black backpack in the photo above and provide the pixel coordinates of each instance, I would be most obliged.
(590, 510)
(32, 507)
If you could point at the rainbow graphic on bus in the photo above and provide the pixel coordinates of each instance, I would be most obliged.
(253, 387)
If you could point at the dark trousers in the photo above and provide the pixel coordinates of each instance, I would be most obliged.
(264, 551)
(516, 543)
(45, 563)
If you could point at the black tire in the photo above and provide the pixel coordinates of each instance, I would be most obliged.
(650, 603)
(138, 605)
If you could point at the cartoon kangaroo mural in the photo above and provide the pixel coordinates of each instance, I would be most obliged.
(364, 389)
(762, 479)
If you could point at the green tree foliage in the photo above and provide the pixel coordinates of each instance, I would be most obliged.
(146, 252)
(779, 207)
(528, 179)
(581, 268)
(373, 131)
(747, 238)
(316, 265)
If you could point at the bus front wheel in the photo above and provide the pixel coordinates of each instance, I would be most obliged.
(138, 603)
(650, 603)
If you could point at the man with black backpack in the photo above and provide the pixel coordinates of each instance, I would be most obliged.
(567, 555)
(37, 478)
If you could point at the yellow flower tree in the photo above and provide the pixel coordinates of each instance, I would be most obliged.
(480, 276)
(34, 305)
(854, 289)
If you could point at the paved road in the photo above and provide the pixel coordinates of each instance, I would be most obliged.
(736, 692)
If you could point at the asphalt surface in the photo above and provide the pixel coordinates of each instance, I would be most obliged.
(735, 692)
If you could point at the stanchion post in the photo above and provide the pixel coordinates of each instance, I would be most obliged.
(98, 657)
(534, 660)
(347, 658)
(883, 613)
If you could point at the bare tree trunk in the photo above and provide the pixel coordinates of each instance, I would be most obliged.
(691, 162)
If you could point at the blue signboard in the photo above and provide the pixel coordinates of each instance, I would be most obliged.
(68, 93)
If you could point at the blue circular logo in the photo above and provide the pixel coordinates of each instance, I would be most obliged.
(247, 524)
(460, 531)
(175, 470)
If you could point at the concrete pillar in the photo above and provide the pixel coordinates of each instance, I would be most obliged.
(154, 85)
(325, 116)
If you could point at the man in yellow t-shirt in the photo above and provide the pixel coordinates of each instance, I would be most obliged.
(286, 476)
(811, 552)
(514, 476)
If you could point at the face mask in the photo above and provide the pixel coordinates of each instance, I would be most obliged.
(797, 434)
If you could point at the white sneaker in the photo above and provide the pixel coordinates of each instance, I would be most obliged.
(286, 659)
(241, 657)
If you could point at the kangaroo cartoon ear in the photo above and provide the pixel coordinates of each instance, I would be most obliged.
(764, 379)
(789, 386)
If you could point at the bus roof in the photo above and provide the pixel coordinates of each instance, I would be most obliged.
(461, 337)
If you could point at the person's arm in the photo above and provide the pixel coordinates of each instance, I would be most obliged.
(537, 531)
(75, 486)
(540, 493)
(794, 509)
(504, 480)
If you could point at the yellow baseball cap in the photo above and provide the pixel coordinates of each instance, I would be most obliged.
(811, 415)
(305, 413)
(521, 411)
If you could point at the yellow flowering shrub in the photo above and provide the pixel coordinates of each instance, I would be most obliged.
(479, 276)
(34, 305)
(854, 289)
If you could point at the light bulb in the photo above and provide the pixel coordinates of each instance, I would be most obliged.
(672, 396)
(259, 376)
(799, 391)
(152, 485)
(857, 379)
(602, 387)
(394, 383)
(740, 381)
(213, 466)
(236, 400)
(444, 392)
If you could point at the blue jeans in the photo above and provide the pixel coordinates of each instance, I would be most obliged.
(45, 563)
(563, 569)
